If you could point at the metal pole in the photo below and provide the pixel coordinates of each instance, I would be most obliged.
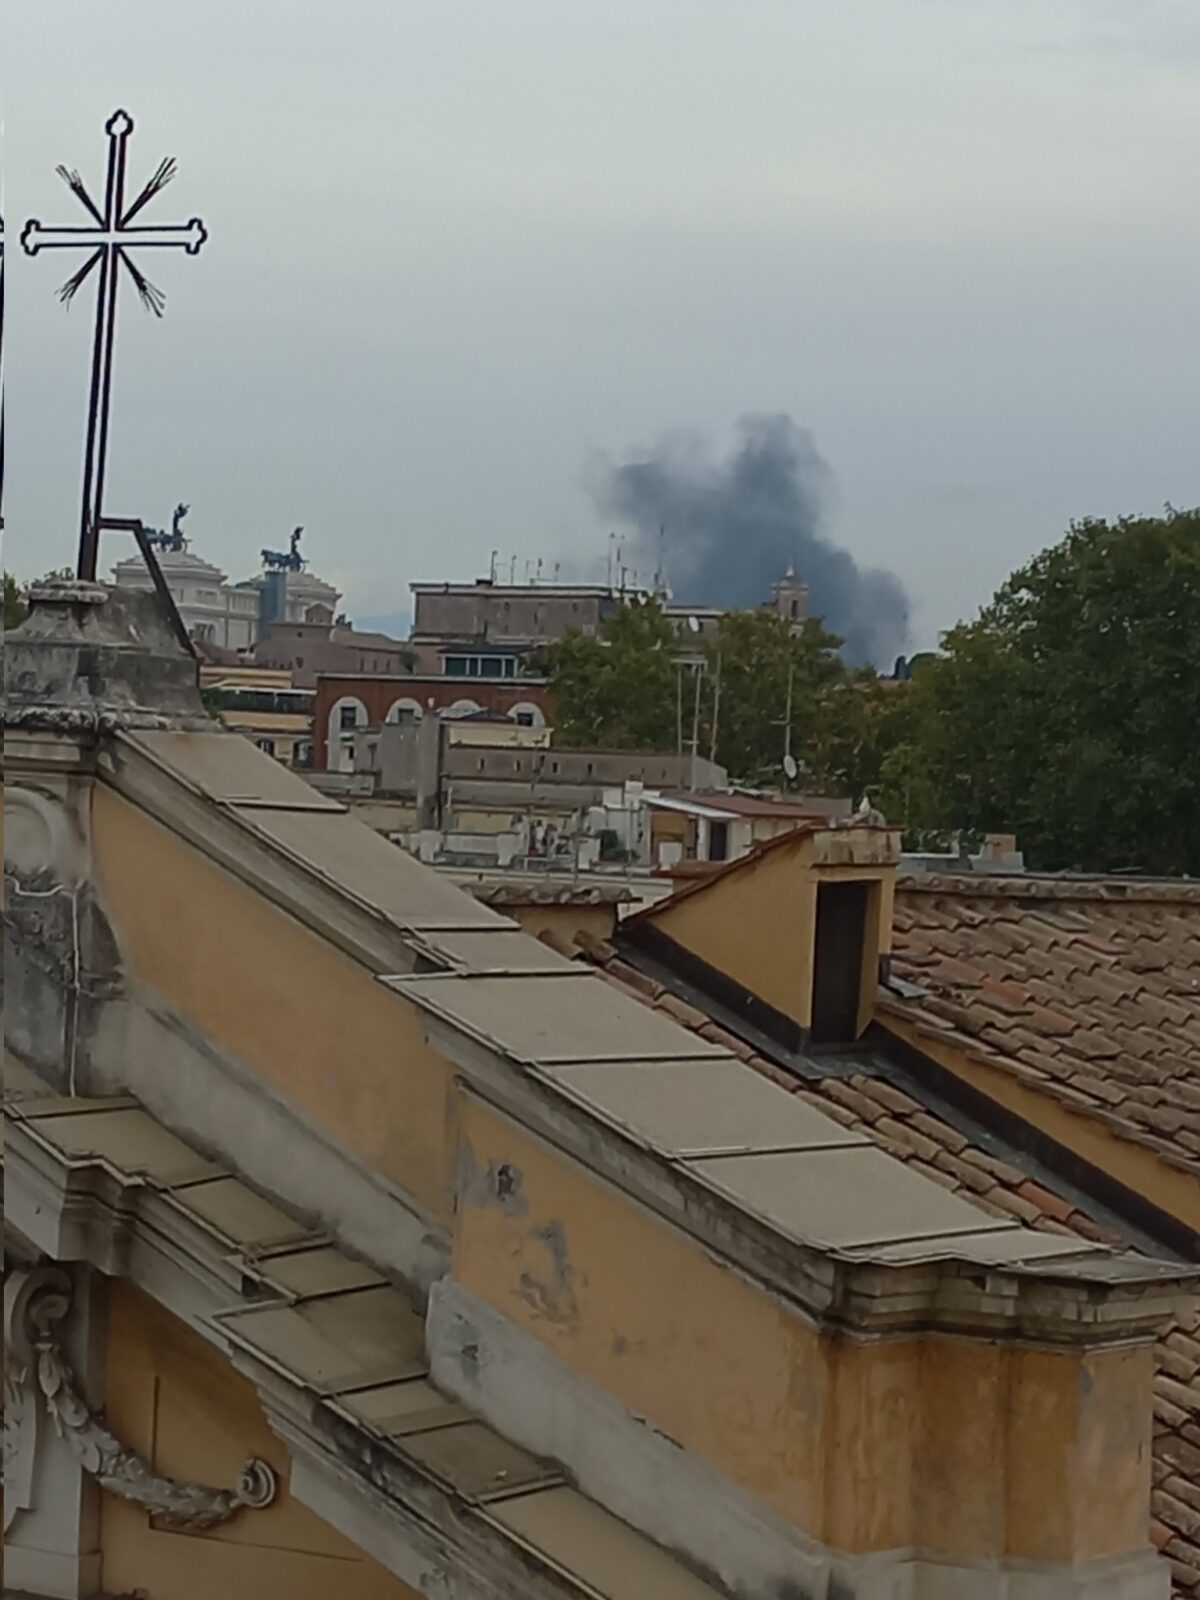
(696, 727)
(678, 709)
(787, 715)
(712, 748)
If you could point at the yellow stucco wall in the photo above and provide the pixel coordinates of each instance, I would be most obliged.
(343, 1049)
(961, 1446)
(1135, 1165)
(191, 1416)
(563, 922)
(755, 924)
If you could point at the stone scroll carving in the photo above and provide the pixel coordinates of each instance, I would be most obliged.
(21, 1410)
(186, 1507)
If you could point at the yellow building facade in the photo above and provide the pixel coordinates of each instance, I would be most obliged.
(360, 1242)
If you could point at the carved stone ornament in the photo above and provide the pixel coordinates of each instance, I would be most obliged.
(21, 1411)
(188, 1507)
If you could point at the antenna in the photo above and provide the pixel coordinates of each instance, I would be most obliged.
(787, 722)
(512, 571)
(612, 545)
(695, 724)
(790, 767)
(538, 577)
(712, 743)
(492, 567)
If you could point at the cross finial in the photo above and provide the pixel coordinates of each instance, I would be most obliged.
(109, 237)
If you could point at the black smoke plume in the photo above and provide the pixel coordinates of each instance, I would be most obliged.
(733, 526)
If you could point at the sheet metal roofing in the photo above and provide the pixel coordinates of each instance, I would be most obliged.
(336, 1329)
(1058, 1222)
(511, 995)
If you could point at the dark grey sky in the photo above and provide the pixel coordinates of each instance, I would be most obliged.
(459, 251)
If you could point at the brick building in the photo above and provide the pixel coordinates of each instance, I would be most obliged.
(350, 701)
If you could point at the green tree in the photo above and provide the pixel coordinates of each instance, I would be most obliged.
(757, 655)
(15, 607)
(635, 686)
(617, 690)
(1067, 712)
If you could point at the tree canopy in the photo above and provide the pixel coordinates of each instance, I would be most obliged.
(1068, 711)
(635, 686)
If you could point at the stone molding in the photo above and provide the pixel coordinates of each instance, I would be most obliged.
(38, 1373)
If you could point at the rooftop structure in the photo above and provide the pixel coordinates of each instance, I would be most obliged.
(368, 1237)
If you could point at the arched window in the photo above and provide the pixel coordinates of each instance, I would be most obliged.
(345, 716)
(404, 710)
(527, 714)
(463, 708)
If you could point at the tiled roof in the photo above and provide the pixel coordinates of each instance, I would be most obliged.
(1089, 991)
(966, 1160)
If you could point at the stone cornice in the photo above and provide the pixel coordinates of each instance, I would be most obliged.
(1099, 1301)
(87, 1211)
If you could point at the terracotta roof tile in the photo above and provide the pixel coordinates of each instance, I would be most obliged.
(918, 1135)
(1088, 991)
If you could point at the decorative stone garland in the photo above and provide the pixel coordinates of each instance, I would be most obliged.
(188, 1507)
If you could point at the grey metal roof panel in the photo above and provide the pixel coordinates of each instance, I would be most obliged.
(243, 1218)
(498, 952)
(394, 1409)
(476, 1462)
(124, 1137)
(590, 1545)
(314, 1270)
(226, 766)
(701, 1107)
(355, 860)
(546, 1019)
(841, 1199)
(343, 1341)
(1008, 1245)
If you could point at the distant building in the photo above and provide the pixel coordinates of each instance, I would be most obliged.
(308, 649)
(709, 826)
(494, 624)
(232, 616)
(211, 608)
(348, 702)
(265, 707)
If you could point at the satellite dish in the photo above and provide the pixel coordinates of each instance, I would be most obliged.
(790, 767)
(694, 624)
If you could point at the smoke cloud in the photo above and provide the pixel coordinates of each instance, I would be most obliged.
(733, 526)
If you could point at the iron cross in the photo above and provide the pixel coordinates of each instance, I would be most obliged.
(108, 238)
(1, 374)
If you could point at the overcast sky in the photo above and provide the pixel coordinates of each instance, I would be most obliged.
(460, 252)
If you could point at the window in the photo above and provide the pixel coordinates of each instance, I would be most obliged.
(525, 718)
(491, 667)
(718, 841)
(837, 970)
(348, 716)
(267, 746)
